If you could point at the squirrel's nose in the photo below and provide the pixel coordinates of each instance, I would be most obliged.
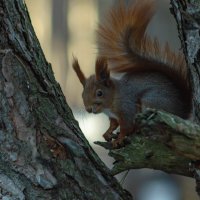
(89, 109)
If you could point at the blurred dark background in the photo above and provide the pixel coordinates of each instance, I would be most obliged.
(67, 27)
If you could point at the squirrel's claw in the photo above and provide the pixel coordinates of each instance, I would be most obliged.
(119, 142)
(108, 136)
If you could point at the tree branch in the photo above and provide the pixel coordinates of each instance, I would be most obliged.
(162, 141)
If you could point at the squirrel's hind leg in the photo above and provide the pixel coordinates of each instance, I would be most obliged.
(125, 129)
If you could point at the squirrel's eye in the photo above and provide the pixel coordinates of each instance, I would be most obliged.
(99, 93)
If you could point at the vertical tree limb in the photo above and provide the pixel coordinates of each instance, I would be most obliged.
(43, 153)
(187, 17)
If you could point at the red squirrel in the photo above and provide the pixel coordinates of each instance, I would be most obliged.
(152, 76)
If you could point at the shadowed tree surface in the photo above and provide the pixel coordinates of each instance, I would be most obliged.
(43, 153)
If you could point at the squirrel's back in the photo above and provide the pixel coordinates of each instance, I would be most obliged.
(151, 90)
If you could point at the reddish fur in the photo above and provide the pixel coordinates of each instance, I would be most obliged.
(101, 69)
(113, 126)
(78, 71)
(124, 44)
(123, 41)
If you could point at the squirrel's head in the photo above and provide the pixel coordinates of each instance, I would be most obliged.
(97, 89)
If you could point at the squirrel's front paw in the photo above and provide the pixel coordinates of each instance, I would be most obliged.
(108, 136)
(119, 142)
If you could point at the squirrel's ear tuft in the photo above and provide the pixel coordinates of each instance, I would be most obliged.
(78, 71)
(102, 71)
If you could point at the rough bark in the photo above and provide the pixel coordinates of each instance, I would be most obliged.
(43, 154)
(162, 141)
(187, 17)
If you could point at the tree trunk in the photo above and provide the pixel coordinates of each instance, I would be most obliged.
(60, 35)
(188, 21)
(187, 17)
(43, 154)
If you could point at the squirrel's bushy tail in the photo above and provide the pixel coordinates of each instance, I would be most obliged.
(123, 41)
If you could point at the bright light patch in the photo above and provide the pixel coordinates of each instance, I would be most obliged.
(93, 126)
(159, 190)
